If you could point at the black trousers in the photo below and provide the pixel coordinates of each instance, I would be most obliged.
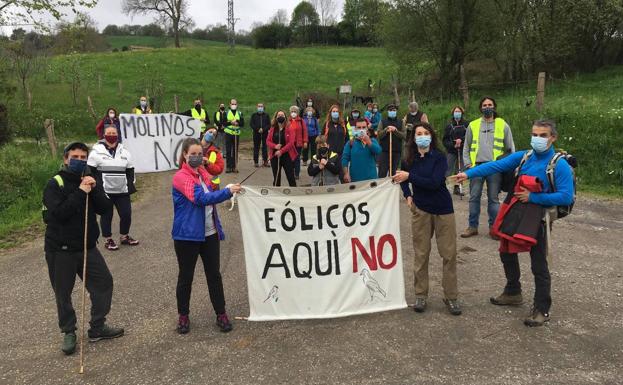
(187, 254)
(384, 163)
(63, 266)
(259, 140)
(232, 145)
(124, 209)
(311, 149)
(287, 165)
(540, 270)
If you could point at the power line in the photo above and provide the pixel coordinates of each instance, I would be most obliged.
(231, 26)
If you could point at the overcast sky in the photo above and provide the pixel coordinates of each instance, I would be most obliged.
(203, 12)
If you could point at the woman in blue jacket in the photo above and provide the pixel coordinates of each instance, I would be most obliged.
(312, 133)
(197, 231)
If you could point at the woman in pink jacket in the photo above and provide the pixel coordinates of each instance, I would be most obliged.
(281, 146)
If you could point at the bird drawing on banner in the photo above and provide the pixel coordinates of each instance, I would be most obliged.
(371, 284)
(273, 294)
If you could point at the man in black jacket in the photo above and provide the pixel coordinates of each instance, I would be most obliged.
(64, 200)
(260, 124)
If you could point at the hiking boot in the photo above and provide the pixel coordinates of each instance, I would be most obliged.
(183, 324)
(536, 318)
(111, 245)
(420, 305)
(453, 306)
(493, 236)
(69, 343)
(507, 299)
(128, 240)
(469, 232)
(222, 321)
(104, 333)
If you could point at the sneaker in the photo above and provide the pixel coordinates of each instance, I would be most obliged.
(453, 306)
(69, 343)
(536, 318)
(420, 305)
(507, 299)
(111, 245)
(493, 236)
(128, 240)
(183, 324)
(469, 232)
(222, 321)
(104, 333)
(266, 164)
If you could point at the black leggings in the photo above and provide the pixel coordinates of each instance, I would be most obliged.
(124, 209)
(287, 165)
(187, 253)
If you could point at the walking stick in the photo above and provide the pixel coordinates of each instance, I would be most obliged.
(84, 282)
(236, 151)
(459, 156)
(233, 198)
(391, 153)
(278, 160)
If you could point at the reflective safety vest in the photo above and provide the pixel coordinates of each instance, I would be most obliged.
(199, 116)
(212, 159)
(349, 128)
(498, 138)
(232, 130)
(138, 111)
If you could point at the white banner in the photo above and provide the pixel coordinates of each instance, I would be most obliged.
(155, 140)
(322, 252)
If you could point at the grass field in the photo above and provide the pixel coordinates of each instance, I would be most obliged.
(587, 107)
(158, 42)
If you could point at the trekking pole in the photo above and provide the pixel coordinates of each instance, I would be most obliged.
(459, 156)
(278, 160)
(391, 153)
(84, 282)
(236, 151)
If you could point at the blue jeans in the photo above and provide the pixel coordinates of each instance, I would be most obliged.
(494, 183)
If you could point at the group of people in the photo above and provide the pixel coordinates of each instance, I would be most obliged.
(353, 149)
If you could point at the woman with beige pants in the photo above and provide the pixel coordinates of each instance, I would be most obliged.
(432, 212)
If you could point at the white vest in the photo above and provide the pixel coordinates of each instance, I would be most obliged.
(113, 170)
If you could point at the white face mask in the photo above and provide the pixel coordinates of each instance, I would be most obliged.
(111, 115)
(233, 106)
(309, 104)
(293, 115)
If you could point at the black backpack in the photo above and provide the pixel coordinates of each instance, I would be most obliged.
(556, 212)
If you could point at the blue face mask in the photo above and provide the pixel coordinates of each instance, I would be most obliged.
(260, 109)
(539, 144)
(356, 115)
(423, 141)
(335, 115)
(209, 137)
(310, 114)
(76, 166)
(458, 115)
(391, 114)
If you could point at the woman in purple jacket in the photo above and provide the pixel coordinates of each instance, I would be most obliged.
(197, 231)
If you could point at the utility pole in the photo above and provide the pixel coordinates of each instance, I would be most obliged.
(231, 26)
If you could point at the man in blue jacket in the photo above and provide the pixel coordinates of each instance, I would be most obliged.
(544, 135)
(360, 154)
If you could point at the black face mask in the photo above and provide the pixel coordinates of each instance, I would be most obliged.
(198, 106)
(323, 152)
(281, 119)
(222, 108)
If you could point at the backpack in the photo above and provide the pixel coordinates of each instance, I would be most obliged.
(556, 212)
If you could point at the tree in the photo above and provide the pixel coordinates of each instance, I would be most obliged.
(271, 36)
(280, 17)
(172, 12)
(152, 29)
(18, 34)
(325, 10)
(31, 11)
(79, 36)
(362, 18)
(304, 23)
(112, 30)
(24, 64)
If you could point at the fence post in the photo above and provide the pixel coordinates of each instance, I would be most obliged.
(176, 100)
(29, 96)
(120, 88)
(540, 92)
(91, 110)
(49, 130)
(464, 88)
(395, 87)
(99, 82)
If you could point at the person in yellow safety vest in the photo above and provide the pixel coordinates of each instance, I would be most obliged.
(220, 119)
(486, 139)
(235, 121)
(197, 112)
(143, 107)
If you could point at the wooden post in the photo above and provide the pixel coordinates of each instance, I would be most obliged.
(91, 110)
(176, 100)
(463, 88)
(29, 96)
(99, 82)
(49, 130)
(540, 92)
(120, 88)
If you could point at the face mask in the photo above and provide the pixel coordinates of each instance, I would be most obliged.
(391, 114)
(413, 113)
(112, 139)
(458, 115)
(423, 141)
(76, 166)
(143, 103)
(293, 115)
(222, 108)
(310, 114)
(323, 152)
(375, 110)
(281, 119)
(335, 115)
(260, 109)
(488, 112)
(111, 115)
(198, 106)
(233, 107)
(539, 144)
(195, 160)
(309, 104)
(208, 137)
(355, 115)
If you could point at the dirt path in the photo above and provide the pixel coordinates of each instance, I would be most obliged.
(487, 345)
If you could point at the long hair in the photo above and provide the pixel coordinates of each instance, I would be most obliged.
(412, 150)
(185, 147)
(329, 119)
(114, 109)
(274, 124)
(495, 105)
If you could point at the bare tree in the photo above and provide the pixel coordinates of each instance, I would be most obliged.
(25, 63)
(172, 12)
(326, 11)
(280, 17)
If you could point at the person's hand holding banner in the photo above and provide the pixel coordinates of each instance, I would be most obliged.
(409, 201)
(460, 177)
(400, 176)
(234, 188)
